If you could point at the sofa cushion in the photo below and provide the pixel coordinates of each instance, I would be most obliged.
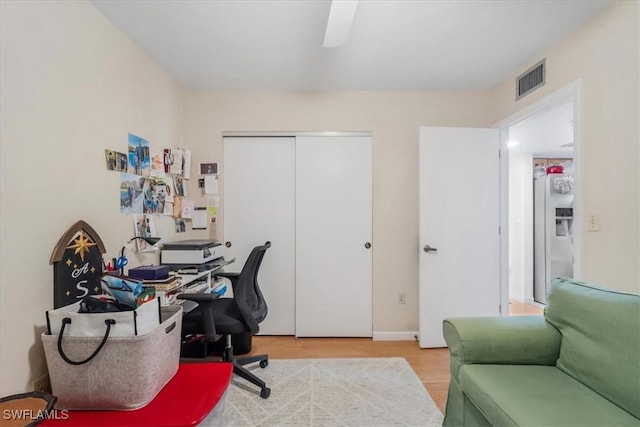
(532, 395)
(600, 344)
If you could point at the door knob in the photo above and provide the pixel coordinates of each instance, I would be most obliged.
(228, 244)
(428, 248)
(367, 245)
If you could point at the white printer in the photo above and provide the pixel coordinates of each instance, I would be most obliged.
(191, 253)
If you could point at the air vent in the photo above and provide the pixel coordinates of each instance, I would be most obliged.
(530, 80)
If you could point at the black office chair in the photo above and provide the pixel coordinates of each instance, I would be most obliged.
(230, 316)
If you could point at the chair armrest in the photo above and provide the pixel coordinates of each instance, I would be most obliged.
(517, 340)
(205, 309)
(198, 296)
(230, 276)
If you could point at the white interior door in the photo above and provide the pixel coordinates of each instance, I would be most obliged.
(333, 227)
(259, 206)
(459, 247)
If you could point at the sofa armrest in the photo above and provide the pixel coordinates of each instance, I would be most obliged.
(517, 340)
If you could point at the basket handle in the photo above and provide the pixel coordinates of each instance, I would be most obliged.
(170, 328)
(66, 321)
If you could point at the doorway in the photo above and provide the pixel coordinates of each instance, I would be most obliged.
(540, 147)
(540, 202)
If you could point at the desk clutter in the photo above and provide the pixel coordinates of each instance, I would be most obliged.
(112, 340)
(186, 267)
(150, 272)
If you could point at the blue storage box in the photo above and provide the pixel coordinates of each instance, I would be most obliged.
(149, 272)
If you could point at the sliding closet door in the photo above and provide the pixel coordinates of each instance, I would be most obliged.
(259, 206)
(333, 236)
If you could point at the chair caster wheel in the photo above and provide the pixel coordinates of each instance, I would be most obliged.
(264, 363)
(265, 392)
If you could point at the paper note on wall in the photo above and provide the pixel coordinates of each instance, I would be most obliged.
(176, 167)
(188, 206)
(177, 206)
(211, 184)
(212, 205)
(186, 163)
(199, 220)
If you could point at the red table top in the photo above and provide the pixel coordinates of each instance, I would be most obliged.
(185, 401)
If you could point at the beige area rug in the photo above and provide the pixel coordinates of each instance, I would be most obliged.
(330, 392)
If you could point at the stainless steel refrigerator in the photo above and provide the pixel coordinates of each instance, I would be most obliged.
(552, 232)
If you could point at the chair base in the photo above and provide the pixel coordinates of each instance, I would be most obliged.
(241, 371)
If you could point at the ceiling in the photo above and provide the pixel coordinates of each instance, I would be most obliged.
(544, 134)
(393, 45)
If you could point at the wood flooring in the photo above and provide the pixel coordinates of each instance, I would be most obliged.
(431, 365)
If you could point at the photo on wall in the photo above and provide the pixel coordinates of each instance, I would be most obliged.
(154, 197)
(156, 164)
(144, 226)
(122, 162)
(112, 160)
(165, 190)
(131, 197)
(139, 156)
(208, 168)
(179, 184)
(181, 225)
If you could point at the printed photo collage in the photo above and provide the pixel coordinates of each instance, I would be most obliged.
(151, 182)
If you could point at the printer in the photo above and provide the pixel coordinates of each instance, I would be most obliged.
(198, 255)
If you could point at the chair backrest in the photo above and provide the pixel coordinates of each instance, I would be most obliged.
(246, 291)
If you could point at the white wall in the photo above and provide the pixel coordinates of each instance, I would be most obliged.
(394, 118)
(605, 55)
(520, 226)
(72, 85)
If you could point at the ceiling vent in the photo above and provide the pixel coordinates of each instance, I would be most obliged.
(530, 80)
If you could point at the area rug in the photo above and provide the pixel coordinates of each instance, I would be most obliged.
(330, 392)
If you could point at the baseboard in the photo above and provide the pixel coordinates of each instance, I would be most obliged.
(521, 298)
(517, 297)
(395, 336)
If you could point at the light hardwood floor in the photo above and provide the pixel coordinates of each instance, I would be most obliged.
(517, 308)
(431, 365)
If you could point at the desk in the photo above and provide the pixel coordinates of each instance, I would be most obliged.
(186, 400)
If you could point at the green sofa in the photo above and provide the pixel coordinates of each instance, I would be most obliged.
(578, 365)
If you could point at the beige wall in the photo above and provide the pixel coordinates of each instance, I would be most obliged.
(604, 54)
(394, 118)
(72, 85)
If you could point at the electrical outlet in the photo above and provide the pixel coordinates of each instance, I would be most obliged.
(593, 222)
(402, 298)
(42, 384)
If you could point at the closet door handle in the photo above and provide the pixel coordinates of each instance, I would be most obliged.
(367, 245)
(228, 244)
